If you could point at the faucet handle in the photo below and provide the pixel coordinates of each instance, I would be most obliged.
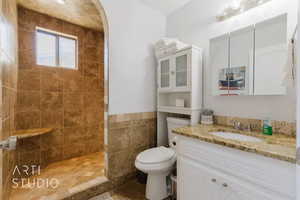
(248, 127)
(236, 124)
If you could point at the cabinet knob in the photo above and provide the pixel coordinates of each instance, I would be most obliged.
(225, 185)
(172, 72)
(213, 180)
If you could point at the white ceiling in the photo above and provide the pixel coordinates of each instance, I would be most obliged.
(166, 6)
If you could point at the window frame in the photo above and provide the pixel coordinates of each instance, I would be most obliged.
(57, 36)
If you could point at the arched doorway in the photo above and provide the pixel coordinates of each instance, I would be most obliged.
(86, 168)
(106, 77)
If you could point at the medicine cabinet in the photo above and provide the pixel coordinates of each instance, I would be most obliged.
(250, 61)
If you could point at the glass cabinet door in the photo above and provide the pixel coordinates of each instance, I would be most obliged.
(181, 71)
(165, 74)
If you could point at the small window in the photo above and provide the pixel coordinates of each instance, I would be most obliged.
(56, 49)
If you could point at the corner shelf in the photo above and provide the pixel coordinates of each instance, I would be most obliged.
(23, 134)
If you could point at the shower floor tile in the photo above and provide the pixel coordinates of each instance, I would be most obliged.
(71, 175)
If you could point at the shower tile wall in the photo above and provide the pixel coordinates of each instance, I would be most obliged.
(70, 101)
(8, 89)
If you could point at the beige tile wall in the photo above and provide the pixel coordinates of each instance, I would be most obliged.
(8, 90)
(129, 134)
(70, 101)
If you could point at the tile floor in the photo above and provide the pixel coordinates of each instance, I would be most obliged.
(130, 191)
(73, 175)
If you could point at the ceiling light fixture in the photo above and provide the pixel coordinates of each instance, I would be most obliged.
(238, 7)
(61, 1)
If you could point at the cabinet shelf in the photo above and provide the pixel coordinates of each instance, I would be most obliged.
(176, 110)
(174, 91)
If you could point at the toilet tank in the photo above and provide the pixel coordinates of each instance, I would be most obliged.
(175, 123)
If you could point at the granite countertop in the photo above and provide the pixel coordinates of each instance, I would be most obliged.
(277, 146)
(22, 134)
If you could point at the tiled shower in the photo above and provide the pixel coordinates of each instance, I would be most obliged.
(68, 101)
(70, 104)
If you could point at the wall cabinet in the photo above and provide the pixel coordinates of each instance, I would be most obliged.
(213, 172)
(250, 61)
(179, 78)
(174, 72)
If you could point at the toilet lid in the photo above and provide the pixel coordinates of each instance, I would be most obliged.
(156, 155)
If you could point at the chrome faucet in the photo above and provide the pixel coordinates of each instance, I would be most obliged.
(237, 125)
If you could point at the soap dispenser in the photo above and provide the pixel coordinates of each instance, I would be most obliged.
(267, 127)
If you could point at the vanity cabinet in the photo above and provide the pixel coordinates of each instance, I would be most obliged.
(212, 185)
(213, 172)
(174, 72)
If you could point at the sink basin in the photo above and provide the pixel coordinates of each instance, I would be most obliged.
(236, 136)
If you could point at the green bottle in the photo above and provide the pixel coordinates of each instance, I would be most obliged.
(267, 127)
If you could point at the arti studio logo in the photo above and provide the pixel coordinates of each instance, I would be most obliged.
(33, 181)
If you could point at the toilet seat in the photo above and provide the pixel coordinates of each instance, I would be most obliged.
(156, 160)
(156, 155)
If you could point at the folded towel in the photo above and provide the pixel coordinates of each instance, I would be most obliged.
(289, 72)
(168, 46)
(162, 43)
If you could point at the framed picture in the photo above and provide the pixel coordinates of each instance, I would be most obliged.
(232, 78)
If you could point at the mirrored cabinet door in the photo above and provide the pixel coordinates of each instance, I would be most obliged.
(240, 74)
(219, 61)
(164, 74)
(252, 60)
(270, 56)
(181, 71)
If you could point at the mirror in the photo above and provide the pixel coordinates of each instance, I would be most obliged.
(240, 75)
(270, 56)
(250, 62)
(219, 63)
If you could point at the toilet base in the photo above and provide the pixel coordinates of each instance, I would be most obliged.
(156, 188)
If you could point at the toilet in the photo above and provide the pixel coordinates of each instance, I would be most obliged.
(158, 162)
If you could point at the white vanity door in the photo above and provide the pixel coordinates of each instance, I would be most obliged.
(194, 183)
(199, 182)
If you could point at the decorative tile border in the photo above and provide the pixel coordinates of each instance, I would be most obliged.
(283, 127)
(131, 116)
